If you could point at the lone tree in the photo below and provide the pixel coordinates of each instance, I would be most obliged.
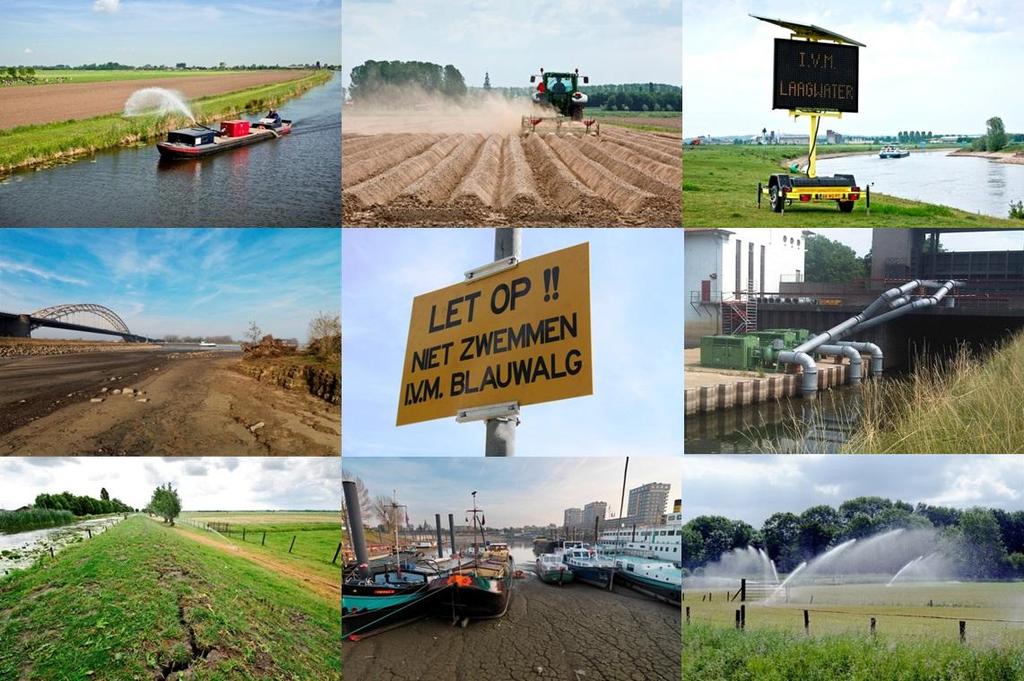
(487, 81)
(166, 503)
(995, 137)
(104, 494)
(254, 333)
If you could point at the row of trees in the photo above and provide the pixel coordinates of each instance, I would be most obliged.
(617, 97)
(830, 261)
(986, 543)
(913, 136)
(82, 505)
(387, 78)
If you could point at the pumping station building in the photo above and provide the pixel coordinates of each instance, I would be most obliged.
(756, 331)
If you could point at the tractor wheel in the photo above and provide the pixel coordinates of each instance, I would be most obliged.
(775, 198)
(845, 206)
(576, 112)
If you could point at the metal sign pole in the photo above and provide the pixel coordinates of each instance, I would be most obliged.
(501, 431)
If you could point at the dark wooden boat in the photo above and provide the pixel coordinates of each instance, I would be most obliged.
(200, 141)
(480, 590)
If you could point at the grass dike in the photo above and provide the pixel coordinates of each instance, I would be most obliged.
(35, 145)
(143, 601)
(720, 190)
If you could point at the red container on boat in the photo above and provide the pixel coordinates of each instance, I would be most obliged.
(234, 128)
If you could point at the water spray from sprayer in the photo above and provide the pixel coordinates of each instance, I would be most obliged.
(157, 100)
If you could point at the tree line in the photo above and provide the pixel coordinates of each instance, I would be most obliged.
(376, 78)
(82, 505)
(618, 97)
(985, 543)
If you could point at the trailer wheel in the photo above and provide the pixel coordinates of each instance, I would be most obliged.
(775, 198)
(845, 206)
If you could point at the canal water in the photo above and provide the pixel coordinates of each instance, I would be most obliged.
(293, 181)
(976, 185)
(21, 549)
(791, 425)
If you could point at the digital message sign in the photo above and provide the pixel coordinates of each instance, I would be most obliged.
(815, 75)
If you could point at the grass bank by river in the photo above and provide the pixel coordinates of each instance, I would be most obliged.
(31, 145)
(720, 190)
(143, 600)
(969, 405)
(718, 653)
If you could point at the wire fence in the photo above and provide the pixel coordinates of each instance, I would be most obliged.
(250, 535)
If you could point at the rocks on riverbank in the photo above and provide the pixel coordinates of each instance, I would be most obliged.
(318, 381)
(24, 347)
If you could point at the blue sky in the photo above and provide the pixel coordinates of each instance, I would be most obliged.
(208, 483)
(939, 65)
(751, 488)
(198, 32)
(636, 317)
(612, 41)
(514, 491)
(180, 281)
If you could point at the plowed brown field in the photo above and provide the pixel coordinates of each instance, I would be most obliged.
(33, 104)
(621, 178)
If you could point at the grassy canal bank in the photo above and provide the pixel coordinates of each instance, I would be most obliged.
(144, 600)
(31, 145)
(967, 405)
(720, 190)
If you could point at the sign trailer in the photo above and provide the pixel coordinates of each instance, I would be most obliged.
(513, 333)
(816, 74)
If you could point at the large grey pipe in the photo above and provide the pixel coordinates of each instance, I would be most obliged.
(848, 352)
(809, 385)
(877, 358)
(440, 544)
(355, 527)
(918, 304)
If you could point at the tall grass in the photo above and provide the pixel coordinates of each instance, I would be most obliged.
(966, 404)
(33, 144)
(33, 519)
(713, 653)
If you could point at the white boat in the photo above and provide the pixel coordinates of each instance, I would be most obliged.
(550, 568)
(890, 151)
(658, 578)
(660, 542)
(207, 344)
(590, 567)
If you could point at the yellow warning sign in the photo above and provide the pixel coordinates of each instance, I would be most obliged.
(521, 335)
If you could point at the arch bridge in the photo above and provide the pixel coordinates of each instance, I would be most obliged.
(85, 317)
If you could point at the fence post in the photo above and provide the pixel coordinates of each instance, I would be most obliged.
(743, 590)
(263, 542)
(963, 631)
(243, 534)
(89, 531)
(737, 619)
(743, 616)
(687, 614)
(335, 559)
(293, 543)
(807, 622)
(872, 626)
(51, 552)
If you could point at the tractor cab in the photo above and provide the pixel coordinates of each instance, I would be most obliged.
(559, 90)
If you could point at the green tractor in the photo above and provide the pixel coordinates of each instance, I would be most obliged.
(559, 90)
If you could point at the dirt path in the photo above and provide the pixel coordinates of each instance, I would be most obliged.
(575, 633)
(327, 588)
(197, 406)
(34, 104)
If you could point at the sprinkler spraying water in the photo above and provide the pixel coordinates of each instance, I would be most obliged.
(157, 100)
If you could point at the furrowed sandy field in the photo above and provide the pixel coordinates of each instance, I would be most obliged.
(619, 178)
(36, 104)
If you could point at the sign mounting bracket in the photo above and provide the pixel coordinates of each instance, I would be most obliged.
(492, 268)
(503, 411)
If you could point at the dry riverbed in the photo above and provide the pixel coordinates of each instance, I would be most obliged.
(190, 404)
(570, 633)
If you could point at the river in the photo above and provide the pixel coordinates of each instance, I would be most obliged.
(787, 426)
(19, 550)
(293, 181)
(976, 185)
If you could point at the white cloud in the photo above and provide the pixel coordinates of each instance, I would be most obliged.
(28, 50)
(14, 268)
(108, 6)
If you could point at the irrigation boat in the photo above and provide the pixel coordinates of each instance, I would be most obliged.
(889, 151)
(551, 569)
(200, 141)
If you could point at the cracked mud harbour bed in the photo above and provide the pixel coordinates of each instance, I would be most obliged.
(571, 633)
(141, 601)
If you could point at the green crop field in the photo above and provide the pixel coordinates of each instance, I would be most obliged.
(720, 190)
(45, 76)
(316, 534)
(917, 634)
(142, 601)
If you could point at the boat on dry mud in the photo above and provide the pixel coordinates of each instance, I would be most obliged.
(200, 141)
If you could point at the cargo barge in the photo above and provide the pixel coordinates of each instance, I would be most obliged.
(199, 141)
